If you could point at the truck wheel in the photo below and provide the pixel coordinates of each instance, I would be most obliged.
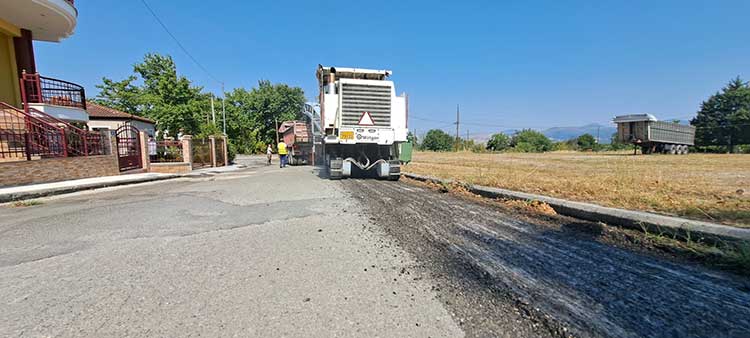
(335, 169)
(395, 170)
(672, 149)
(685, 149)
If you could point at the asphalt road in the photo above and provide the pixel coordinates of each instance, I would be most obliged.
(263, 252)
(557, 272)
(269, 252)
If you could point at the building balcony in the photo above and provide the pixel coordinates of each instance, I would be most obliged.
(61, 99)
(48, 20)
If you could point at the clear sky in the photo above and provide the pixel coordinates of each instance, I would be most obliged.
(509, 64)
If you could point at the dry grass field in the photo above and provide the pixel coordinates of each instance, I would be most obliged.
(712, 187)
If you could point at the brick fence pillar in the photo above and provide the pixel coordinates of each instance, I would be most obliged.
(113, 149)
(145, 159)
(212, 142)
(225, 150)
(187, 149)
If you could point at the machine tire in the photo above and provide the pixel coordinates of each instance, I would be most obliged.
(335, 171)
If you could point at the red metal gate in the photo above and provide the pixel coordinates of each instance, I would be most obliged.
(128, 147)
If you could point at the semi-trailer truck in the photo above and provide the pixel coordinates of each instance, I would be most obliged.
(363, 122)
(654, 136)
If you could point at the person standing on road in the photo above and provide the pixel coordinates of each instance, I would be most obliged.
(282, 154)
(269, 153)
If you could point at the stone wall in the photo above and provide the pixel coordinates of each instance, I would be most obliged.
(57, 169)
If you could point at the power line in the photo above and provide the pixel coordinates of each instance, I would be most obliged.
(178, 42)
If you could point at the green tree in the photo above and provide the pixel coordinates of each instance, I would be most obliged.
(121, 95)
(586, 142)
(724, 119)
(498, 142)
(530, 141)
(262, 107)
(164, 96)
(437, 140)
(410, 137)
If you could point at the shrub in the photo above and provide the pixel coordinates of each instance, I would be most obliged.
(530, 141)
(437, 140)
(498, 142)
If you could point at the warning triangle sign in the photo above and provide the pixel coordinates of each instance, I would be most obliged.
(366, 120)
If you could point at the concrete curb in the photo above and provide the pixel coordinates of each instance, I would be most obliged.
(45, 192)
(614, 216)
(25, 195)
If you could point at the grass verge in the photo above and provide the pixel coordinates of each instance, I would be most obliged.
(708, 187)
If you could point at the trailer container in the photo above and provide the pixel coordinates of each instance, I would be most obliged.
(654, 136)
(299, 141)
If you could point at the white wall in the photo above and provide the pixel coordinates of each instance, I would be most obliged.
(148, 128)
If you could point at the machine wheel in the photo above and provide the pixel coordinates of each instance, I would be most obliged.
(335, 171)
(395, 170)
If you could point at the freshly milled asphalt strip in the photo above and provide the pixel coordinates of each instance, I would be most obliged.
(596, 289)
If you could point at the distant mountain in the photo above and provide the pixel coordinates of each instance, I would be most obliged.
(565, 133)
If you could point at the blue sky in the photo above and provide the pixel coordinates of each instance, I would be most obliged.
(509, 64)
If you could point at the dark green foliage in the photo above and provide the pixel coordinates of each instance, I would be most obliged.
(437, 140)
(176, 105)
(498, 142)
(530, 141)
(412, 138)
(163, 96)
(586, 142)
(252, 115)
(724, 119)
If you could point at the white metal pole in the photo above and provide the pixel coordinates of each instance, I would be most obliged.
(223, 109)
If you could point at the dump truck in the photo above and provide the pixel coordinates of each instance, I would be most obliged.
(654, 136)
(363, 121)
(299, 141)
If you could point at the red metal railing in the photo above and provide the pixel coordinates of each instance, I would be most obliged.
(36, 134)
(23, 136)
(39, 89)
(79, 142)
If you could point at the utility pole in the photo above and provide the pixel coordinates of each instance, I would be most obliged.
(457, 126)
(277, 131)
(223, 109)
(213, 112)
(597, 134)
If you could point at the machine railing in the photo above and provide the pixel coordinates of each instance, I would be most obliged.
(39, 89)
